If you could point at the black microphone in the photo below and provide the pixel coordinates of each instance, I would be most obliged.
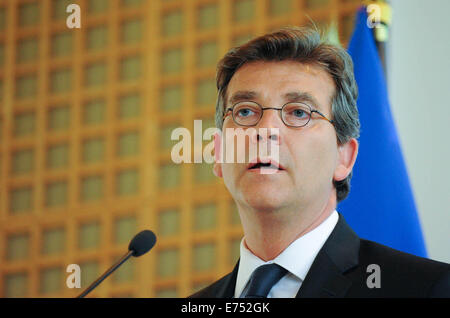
(139, 245)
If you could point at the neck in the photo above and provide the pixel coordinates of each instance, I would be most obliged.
(269, 234)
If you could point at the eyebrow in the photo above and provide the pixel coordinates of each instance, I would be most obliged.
(292, 97)
(301, 97)
(240, 96)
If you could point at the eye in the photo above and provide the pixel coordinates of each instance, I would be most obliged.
(300, 113)
(296, 111)
(245, 112)
(296, 114)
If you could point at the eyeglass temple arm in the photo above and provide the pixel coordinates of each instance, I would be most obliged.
(227, 113)
(324, 117)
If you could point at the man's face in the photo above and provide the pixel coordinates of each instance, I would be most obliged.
(309, 155)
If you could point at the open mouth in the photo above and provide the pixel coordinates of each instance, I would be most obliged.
(269, 165)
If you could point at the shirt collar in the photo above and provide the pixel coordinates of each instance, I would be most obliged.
(297, 258)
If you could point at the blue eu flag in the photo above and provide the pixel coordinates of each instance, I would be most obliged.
(380, 206)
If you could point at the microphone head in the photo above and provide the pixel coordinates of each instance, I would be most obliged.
(142, 243)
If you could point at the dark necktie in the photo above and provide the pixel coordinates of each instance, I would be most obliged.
(262, 281)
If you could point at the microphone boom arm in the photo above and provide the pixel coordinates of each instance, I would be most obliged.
(106, 274)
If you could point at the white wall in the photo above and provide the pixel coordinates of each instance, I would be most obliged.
(419, 87)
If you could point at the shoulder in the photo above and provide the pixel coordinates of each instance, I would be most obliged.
(406, 274)
(370, 250)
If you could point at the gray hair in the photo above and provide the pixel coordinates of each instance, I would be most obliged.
(304, 45)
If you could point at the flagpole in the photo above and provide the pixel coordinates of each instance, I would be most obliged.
(383, 14)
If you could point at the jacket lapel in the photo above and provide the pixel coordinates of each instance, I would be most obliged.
(339, 254)
(226, 290)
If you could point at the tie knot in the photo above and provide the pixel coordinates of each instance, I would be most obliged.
(262, 280)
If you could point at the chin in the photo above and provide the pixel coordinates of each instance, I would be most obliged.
(266, 194)
(265, 207)
(264, 200)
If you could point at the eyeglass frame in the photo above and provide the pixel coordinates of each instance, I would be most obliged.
(280, 113)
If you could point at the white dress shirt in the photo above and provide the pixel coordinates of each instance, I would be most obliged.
(297, 258)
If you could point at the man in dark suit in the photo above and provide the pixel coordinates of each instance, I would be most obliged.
(301, 91)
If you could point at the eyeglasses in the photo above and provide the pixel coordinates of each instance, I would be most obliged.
(249, 113)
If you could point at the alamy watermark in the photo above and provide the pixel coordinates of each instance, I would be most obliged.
(374, 279)
(74, 278)
(373, 15)
(73, 21)
(236, 145)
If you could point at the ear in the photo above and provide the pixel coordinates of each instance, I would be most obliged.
(347, 154)
(217, 169)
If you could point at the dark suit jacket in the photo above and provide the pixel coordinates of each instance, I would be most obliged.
(340, 270)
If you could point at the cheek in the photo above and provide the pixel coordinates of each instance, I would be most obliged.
(229, 176)
(315, 159)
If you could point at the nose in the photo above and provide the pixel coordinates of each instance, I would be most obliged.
(268, 128)
(269, 134)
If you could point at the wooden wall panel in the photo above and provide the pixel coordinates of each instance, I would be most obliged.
(85, 122)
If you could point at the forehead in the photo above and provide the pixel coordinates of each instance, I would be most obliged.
(274, 82)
